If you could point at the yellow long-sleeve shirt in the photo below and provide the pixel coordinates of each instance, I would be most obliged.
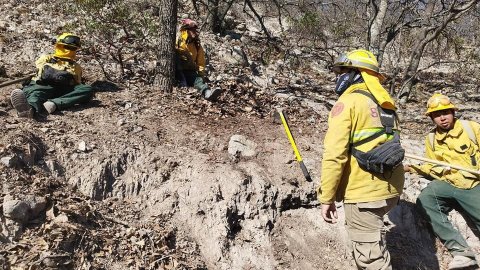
(191, 54)
(60, 64)
(354, 117)
(453, 147)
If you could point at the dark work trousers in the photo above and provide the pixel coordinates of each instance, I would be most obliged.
(62, 96)
(186, 78)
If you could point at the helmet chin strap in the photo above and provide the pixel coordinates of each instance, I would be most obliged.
(345, 80)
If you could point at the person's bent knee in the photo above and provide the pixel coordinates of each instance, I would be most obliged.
(371, 255)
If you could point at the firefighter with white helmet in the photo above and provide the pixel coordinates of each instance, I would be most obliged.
(57, 84)
(455, 142)
(355, 123)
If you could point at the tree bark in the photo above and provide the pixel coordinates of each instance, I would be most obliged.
(165, 76)
(427, 35)
(375, 27)
(217, 10)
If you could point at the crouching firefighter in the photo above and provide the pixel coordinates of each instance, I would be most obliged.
(57, 84)
(453, 141)
(190, 61)
(362, 158)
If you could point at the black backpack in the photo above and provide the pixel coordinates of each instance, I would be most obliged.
(384, 157)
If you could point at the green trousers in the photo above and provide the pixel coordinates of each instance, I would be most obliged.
(437, 200)
(63, 97)
(190, 78)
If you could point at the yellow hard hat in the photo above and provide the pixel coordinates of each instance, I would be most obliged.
(357, 59)
(439, 102)
(69, 41)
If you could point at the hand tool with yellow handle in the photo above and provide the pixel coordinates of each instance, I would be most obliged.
(294, 146)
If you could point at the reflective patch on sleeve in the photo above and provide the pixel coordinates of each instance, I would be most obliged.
(337, 109)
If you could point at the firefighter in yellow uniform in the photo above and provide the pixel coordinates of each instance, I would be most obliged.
(190, 61)
(58, 83)
(367, 196)
(452, 141)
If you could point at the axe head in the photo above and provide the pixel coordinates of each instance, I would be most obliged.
(276, 119)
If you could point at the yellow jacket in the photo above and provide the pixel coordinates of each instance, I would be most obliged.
(355, 117)
(191, 54)
(454, 147)
(59, 64)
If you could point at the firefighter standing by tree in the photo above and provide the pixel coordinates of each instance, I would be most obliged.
(57, 84)
(190, 60)
(455, 142)
(367, 196)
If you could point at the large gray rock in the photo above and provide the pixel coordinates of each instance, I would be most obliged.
(17, 210)
(234, 56)
(240, 146)
(37, 205)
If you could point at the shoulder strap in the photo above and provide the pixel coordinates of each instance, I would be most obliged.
(384, 118)
(366, 93)
(468, 128)
(56, 59)
(371, 138)
(387, 117)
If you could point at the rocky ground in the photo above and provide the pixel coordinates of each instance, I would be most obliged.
(140, 179)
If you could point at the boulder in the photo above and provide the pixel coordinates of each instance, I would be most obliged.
(240, 146)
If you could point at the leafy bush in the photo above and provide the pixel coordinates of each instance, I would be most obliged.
(123, 31)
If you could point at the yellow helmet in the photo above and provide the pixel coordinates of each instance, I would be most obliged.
(439, 102)
(69, 41)
(357, 59)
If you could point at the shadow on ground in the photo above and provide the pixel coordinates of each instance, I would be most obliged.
(409, 239)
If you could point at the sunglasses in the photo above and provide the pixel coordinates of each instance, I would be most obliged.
(71, 40)
(435, 102)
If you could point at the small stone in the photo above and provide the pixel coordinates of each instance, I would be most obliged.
(137, 129)
(82, 146)
(121, 122)
(11, 126)
(62, 218)
(8, 161)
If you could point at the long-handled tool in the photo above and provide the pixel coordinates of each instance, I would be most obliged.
(28, 77)
(294, 146)
(453, 166)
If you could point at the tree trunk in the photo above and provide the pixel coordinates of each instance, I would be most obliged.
(427, 35)
(375, 28)
(217, 10)
(165, 76)
(214, 22)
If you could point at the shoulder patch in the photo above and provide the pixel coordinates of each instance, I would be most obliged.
(337, 109)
